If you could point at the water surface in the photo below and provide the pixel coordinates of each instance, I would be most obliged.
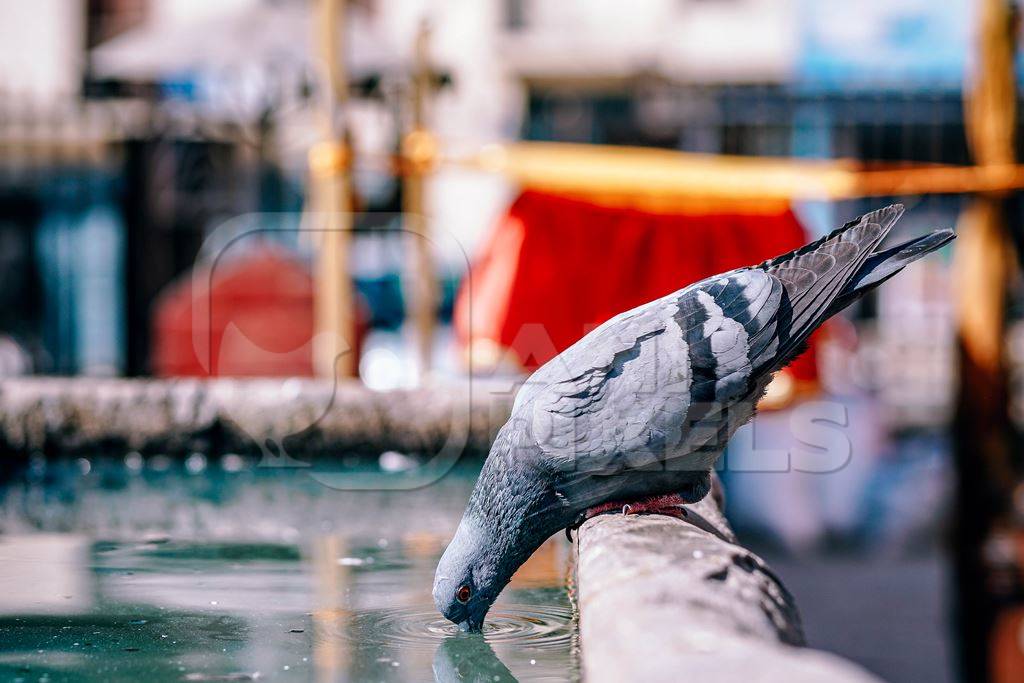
(131, 569)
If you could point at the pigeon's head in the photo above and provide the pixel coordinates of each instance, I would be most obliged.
(512, 510)
(467, 582)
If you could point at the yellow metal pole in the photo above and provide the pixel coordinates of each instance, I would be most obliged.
(984, 266)
(329, 164)
(419, 151)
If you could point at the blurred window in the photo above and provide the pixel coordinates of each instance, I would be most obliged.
(108, 18)
(515, 15)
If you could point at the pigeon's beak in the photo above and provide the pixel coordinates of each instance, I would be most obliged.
(470, 626)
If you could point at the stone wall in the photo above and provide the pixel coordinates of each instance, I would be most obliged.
(307, 418)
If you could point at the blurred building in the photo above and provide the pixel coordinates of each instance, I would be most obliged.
(206, 111)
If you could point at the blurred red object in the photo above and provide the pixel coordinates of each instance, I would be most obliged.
(1006, 656)
(555, 267)
(251, 316)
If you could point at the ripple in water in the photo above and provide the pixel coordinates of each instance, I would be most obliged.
(534, 626)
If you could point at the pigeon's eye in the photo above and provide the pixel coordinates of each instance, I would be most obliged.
(462, 595)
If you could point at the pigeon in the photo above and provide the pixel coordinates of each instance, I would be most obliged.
(636, 413)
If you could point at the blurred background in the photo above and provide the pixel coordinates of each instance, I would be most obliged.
(417, 192)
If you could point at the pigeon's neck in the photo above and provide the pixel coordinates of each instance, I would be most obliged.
(517, 509)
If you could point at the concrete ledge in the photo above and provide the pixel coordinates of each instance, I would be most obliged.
(309, 418)
(662, 599)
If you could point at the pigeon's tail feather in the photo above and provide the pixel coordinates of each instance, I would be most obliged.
(884, 218)
(815, 275)
(882, 265)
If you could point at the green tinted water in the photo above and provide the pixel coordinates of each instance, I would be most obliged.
(159, 572)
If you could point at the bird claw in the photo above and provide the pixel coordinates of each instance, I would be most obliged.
(665, 505)
(577, 523)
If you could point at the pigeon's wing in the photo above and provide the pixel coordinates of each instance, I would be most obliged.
(660, 381)
(632, 391)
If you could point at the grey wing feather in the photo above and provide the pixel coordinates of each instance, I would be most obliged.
(588, 400)
(662, 369)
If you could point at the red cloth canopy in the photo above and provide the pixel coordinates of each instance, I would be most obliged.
(251, 316)
(556, 267)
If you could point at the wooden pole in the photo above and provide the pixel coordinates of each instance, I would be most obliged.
(329, 164)
(419, 151)
(657, 177)
(985, 263)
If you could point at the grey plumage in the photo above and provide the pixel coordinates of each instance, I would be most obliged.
(644, 405)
